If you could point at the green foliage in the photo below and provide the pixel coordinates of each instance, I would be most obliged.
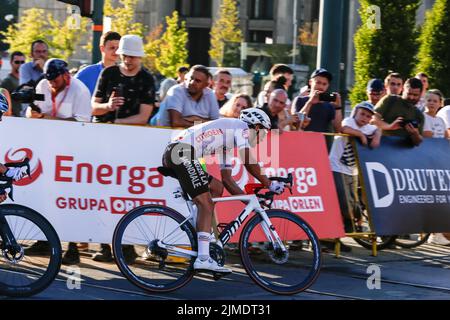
(62, 39)
(170, 51)
(434, 52)
(152, 48)
(391, 47)
(122, 17)
(226, 30)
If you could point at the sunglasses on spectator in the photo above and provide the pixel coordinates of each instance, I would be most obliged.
(19, 62)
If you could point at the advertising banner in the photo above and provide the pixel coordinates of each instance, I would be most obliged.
(85, 176)
(408, 188)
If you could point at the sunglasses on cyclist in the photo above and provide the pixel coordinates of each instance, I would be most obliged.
(19, 62)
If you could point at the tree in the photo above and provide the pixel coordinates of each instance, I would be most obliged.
(390, 46)
(434, 51)
(226, 35)
(152, 48)
(61, 38)
(172, 52)
(122, 17)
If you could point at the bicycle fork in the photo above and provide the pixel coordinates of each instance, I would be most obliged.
(270, 232)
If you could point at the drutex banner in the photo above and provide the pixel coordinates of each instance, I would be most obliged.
(408, 188)
(85, 176)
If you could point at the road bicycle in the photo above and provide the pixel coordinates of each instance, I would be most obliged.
(23, 275)
(266, 244)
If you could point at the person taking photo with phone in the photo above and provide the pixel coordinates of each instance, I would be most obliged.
(324, 109)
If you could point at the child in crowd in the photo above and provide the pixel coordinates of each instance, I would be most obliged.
(434, 127)
(343, 161)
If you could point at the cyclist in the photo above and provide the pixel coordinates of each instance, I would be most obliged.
(15, 173)
(218, 137)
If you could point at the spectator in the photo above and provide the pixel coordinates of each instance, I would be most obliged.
(65, 98)
(343, 161)
(276, 71)
(375, 91)
(165, 86)
(109, 42)
(125, 93)
(321, 113)
(397, 115)
(434, 127)
(11, 82)
(424, 78)
(182, 71)
(221, 85)
(32, 71)
(234, 106)
(276, 104)
(191, 101)
(393, 83)
(444, 113)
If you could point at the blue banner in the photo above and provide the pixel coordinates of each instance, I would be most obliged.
(407, 188)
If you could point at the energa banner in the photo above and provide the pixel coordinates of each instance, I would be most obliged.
(85, 176)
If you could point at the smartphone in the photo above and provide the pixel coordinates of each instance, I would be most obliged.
(414, 123)
(327, 97)
(119, 90)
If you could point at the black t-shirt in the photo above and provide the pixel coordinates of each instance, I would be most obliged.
(137, 90)
(222, 102)
(321, 114)
(273, 119)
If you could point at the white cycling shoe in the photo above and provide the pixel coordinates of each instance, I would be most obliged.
(209, 265)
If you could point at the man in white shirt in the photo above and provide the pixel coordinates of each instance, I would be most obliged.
(66, 98)
(191, 102)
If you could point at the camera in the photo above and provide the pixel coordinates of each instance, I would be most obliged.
(327, 97)
(26, 93)
(414, 123)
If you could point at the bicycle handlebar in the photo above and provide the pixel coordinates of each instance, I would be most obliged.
(8, 182)
(254, 188)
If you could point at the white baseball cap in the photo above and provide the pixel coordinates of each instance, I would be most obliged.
(131, 45)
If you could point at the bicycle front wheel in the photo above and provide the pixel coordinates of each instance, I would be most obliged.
(280, 271)
(23, 274)
(156, 269)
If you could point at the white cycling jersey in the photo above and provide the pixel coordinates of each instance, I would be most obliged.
(218, 137)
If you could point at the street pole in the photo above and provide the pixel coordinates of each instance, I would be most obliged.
(330, 39)
(294, 39)
(97, 29)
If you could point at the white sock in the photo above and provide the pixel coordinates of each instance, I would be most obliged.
(203, 245)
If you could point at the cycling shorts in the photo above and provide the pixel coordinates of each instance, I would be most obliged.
(181, 158)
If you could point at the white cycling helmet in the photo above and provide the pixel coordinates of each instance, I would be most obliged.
(254, 116)
(3, 105)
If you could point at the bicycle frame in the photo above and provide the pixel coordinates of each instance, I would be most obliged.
(225, 236)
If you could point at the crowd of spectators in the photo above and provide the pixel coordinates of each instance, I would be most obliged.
(118, 89)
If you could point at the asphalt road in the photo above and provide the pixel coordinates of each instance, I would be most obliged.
(421, 273)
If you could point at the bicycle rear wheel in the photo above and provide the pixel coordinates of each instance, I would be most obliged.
(156, 269)
(23, 275)
(410, 241)
(280, 272)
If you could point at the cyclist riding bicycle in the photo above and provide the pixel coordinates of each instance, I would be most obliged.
(219, 137)
(15, 173)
